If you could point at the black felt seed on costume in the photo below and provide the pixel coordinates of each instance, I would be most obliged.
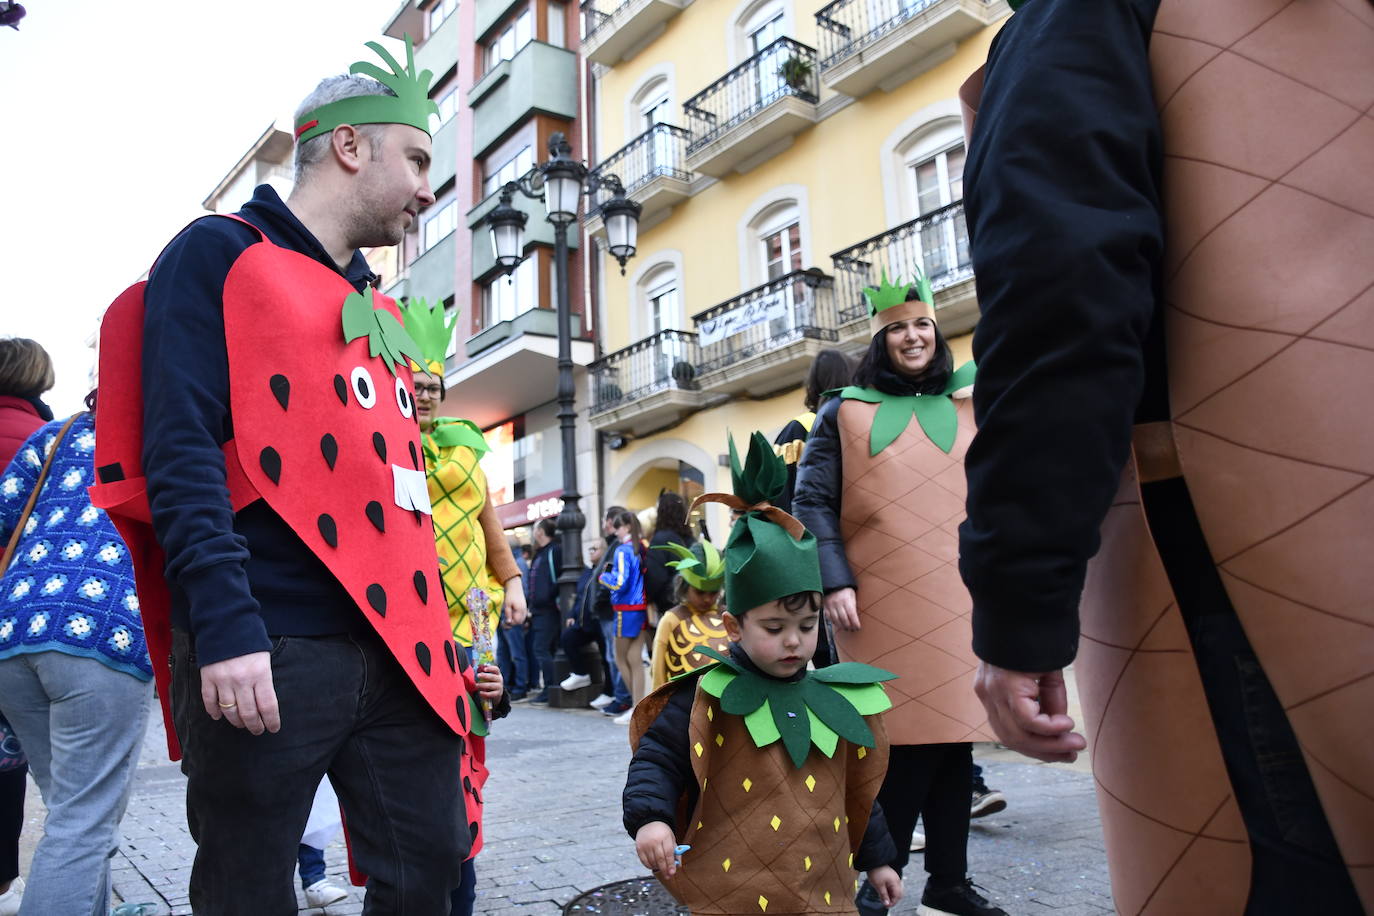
(271, 464)
(461, 705)
(328, 530)
(448, 655)
(379, 444)
(374, 515)
(472, 829)
(418, 515)
(329, 448)
(281, 389)
(376, 596)
(414, 458)
(422, 656)
(467, 783)
(463, 662)
(421, 586)
(341, 389)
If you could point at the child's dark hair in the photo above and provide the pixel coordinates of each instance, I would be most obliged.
(680, 586)
(795, 603)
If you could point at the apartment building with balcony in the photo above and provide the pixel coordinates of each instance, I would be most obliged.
(785, 154)
(506, 76)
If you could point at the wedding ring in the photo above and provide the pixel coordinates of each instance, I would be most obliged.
(227, 705)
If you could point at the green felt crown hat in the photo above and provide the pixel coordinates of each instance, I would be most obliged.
(431, 329)
(888, 302)
(701, 566)
(410, 105)
(769, 554)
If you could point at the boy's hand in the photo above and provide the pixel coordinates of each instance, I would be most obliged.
(490, 684)
(887, 883)
(656, 846)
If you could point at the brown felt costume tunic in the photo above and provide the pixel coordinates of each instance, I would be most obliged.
(899, 516)
(768, 837)
(1269, 145)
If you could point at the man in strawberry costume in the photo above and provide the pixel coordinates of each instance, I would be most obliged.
(274, 474)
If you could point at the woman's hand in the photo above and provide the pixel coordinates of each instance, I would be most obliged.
(657, 848)
(490, 684)
(842, 609)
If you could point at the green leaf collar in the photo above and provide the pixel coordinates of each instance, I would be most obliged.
(450, 431)
(822, 707)
(936, 413)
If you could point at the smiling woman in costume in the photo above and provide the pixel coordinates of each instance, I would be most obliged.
(881, 485)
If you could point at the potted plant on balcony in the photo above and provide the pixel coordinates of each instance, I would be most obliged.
(684, 373)
(795, 72)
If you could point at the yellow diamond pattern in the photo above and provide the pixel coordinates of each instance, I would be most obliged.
(776, 822)
(827, 898)
(810, 783)
(851, 860)
(763, 903)
(697, 747)
(807, 862)
(698, 825)
(710, 714)
(720, 740)
(837, 825)
(725, 865)
(863, 752)
(748, 783)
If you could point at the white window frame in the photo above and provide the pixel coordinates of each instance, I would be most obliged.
(505, 298)
(440, 11)
(438, 224)
(508, 42)
(511, 169)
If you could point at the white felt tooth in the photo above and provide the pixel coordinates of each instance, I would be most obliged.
(410, 490)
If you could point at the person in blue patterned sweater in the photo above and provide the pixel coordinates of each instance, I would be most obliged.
(75, 680)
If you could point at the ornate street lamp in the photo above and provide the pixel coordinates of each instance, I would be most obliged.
(561, 183)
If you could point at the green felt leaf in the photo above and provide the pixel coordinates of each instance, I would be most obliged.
(822, 735)
(890, 420)
(791, 719)
(477, 722)
(449, 432)
(838, 713)
(869, 395)
(961, 377)
(398, 344)
(939, 418)
(761, 726)
(867, 699)
(852, 673)
(357, 316)
(725, 659)
(743, 695)
(716, 680)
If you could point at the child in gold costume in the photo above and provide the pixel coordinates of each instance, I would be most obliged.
(695, 620)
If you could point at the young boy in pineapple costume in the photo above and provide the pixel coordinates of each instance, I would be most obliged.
(473, 551)
(695, 620)
(766, 770)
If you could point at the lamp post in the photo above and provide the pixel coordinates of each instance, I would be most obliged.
(561, 183)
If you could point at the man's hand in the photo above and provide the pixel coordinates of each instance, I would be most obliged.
(240, 689)
(514, 607)
(1029, 712)
(841, 609)
(657, 846)
(490, 684)
(887, 883)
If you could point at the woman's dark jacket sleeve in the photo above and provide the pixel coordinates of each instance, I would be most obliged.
(661, 769)
(876, 848)
(816, 503)
(658, 575)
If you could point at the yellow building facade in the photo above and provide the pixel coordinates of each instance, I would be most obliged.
(785, 155)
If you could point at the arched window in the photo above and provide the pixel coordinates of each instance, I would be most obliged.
(776, 241)
(931, 163)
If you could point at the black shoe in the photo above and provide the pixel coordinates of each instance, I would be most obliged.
(986, 801)
(616, 708)
(542, 699)
(867, 901)
(518, 696)
(958, 900)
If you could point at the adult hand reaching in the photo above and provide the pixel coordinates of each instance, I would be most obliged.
(842, 609)
(515, 609)
(1029, 712)
(240, 689)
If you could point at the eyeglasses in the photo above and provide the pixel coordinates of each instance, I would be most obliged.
(432, 391)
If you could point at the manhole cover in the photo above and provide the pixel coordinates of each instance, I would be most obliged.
(636, 897)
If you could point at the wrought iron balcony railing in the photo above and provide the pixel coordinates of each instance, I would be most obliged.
(796, 305)
(848, 26)
(936, 243)
(659, 152)
(597, 13)
(784, 68)
(666, 360)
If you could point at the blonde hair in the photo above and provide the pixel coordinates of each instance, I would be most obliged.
(25, 368)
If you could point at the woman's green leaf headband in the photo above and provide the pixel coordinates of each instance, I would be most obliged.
(410, 105)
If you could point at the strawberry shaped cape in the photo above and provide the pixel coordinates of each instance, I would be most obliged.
(824, 706)
(935, 412)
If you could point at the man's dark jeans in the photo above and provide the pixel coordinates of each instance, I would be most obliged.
(347, 710)
(544, 626)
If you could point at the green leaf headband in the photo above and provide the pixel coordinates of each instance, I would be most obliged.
(410, 105)
(429, 327)
(888, 303)
(701, 566)
(386, 337)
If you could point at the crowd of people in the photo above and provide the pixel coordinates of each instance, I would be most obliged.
(285, 530)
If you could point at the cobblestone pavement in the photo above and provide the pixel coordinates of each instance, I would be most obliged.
(553, 827)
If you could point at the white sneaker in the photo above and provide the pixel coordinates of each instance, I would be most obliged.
(625, 717)
(918, 841)
(324, 892)
(9, 900)
(602, 701)
(576, 681)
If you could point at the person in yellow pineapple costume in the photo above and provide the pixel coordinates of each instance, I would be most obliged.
(473, 552)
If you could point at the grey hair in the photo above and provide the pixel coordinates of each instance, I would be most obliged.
(332, 89)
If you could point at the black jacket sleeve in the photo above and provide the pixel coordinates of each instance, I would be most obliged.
(661, 769)
(816, 503)
(658, 575)
(1062, 199)
(876, 848)
(792, 432)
